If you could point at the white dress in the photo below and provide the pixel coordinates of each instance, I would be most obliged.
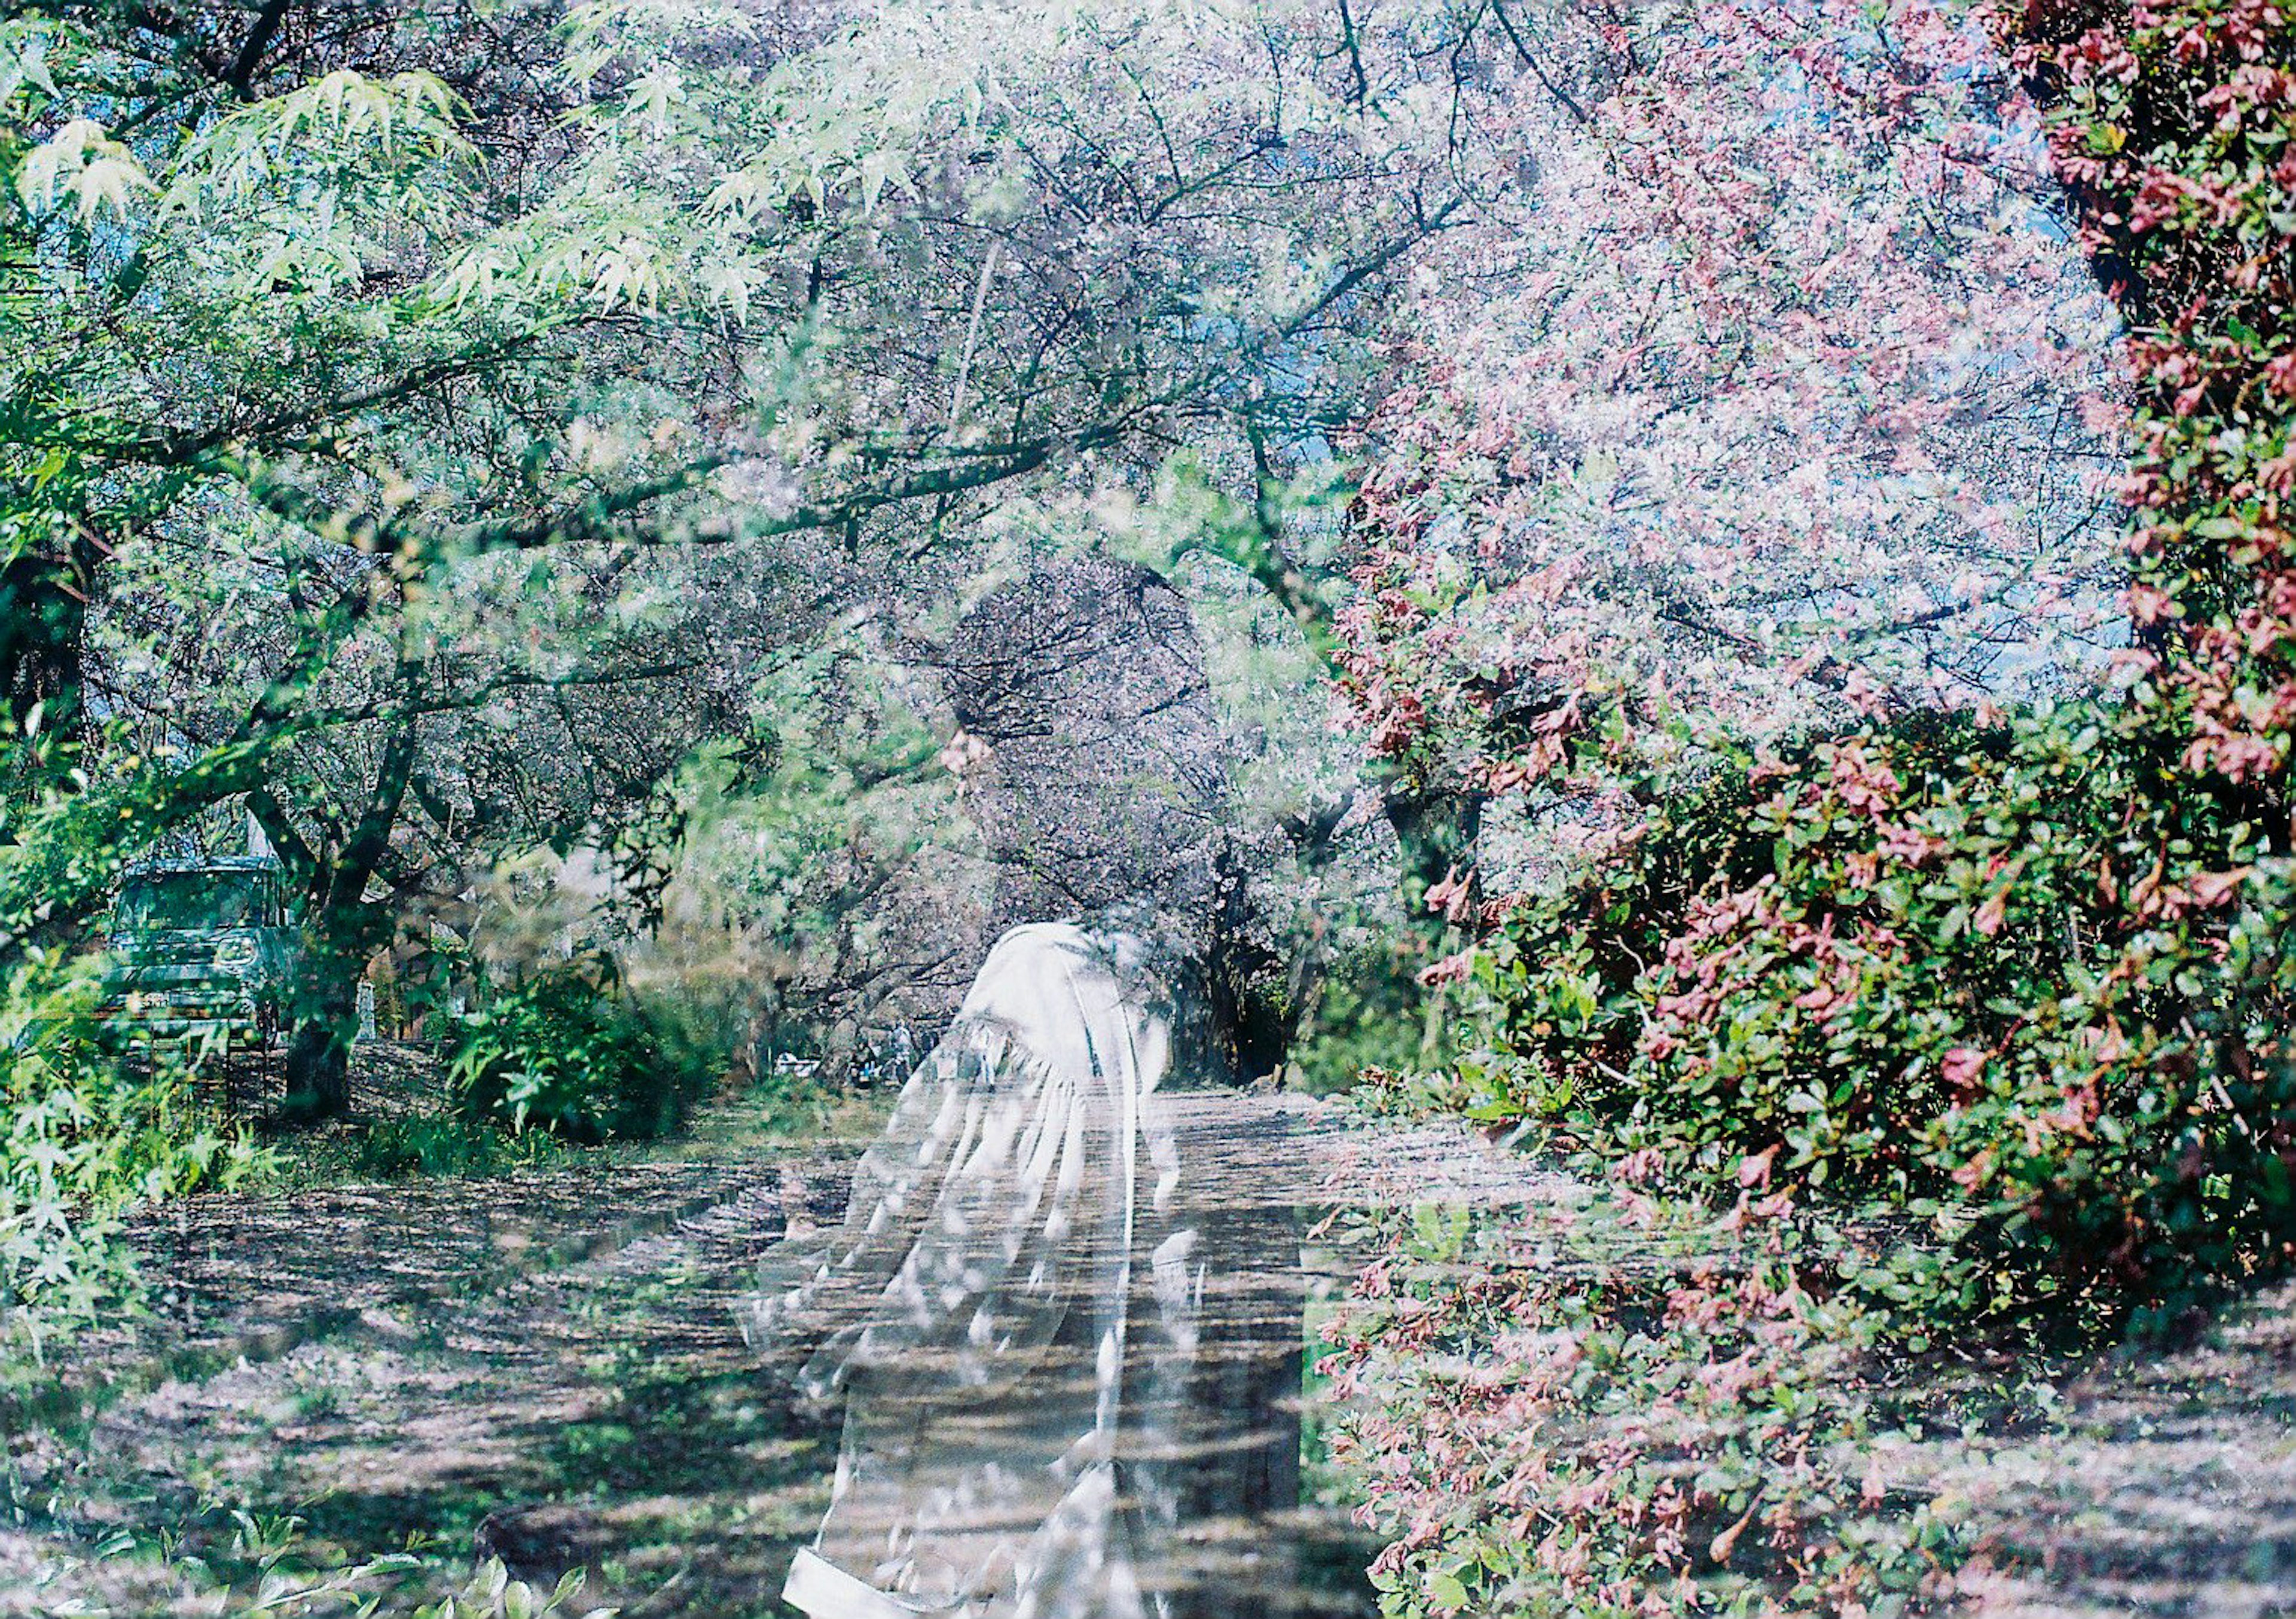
(1063, 1351)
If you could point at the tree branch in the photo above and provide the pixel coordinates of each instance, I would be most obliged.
(241, 74)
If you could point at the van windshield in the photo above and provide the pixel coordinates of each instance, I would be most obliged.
(156, 900)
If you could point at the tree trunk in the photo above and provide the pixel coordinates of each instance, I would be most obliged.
(319, 1048)
(1437, 831)
(323, 1018)
(43, 619)
(342, 927)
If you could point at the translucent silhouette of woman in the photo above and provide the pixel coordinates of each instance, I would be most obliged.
(1063, 1310)
(1065, 1328)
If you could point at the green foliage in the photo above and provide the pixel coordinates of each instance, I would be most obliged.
(85, 1141)
(568, 1048)
(427, 1145)
(1370, 1013)
(85, 1135)
(491, 1593)
(265, 1563)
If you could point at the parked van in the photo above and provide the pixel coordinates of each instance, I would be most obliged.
(203, 945)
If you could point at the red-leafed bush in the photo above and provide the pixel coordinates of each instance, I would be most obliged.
(1938, 1014)
(1983, 974)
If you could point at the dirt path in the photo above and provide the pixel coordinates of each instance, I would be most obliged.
(601, 1412)
(542, 1367)
(2167, 1486)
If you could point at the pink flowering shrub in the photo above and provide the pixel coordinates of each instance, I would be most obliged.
(2023, 974)
(1943, 1034)
(2178, 137)
(1618, 1406)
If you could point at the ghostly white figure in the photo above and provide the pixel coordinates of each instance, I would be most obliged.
(1063, 1342)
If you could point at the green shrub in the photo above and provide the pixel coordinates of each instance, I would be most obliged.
(1370, 1013)
(568, 1048)
(428, 1144)
(85, 1137)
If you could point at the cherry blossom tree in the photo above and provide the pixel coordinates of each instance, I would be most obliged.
(1778, 387)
